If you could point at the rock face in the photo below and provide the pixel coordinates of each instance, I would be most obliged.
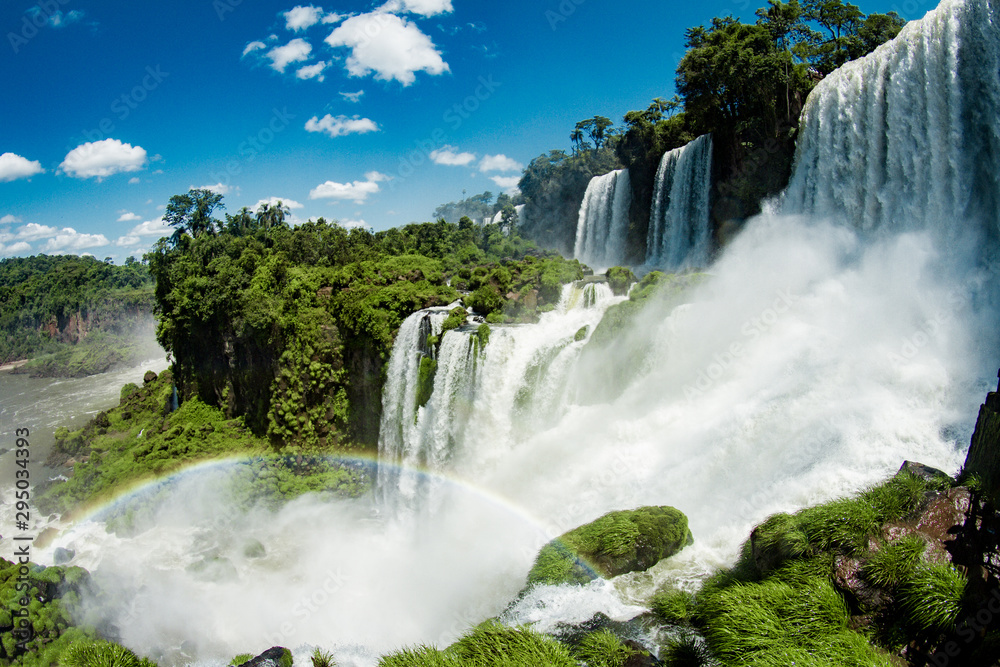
(276, 656)
(983, 458)
(616, 543)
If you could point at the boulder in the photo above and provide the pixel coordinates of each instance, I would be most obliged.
(150, 376)
(276, 656)
(62, 556)
(616, 543)
(983, 458)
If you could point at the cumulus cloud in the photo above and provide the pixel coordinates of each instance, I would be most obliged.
(218, 188)
(9, 219)
(312, 71)
(152, 228)
(13, 167)
(295, 51)
(273, 201)
(14, 248)
(338, 126)
(123, 241)
(389, 46)
(353, 97)
(300, 18)
(128, 216)
(68, 239)
(353, 224)
(254, 46)
(448, 155)
(421, 7)
(499, 163)
(33, 232)
(508, 183)
(103, 158)
(356, 191)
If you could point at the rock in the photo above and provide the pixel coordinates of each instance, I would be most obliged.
(616, 543)
(276, 656)
(214, 568)
(102, 421)
(150, 376)
(983, 458)
(926, 473)
(254, 549)
(62, 556)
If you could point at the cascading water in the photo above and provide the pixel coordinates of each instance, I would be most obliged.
(815, 360)
(679, 234)
(603, 223)
(909, 138)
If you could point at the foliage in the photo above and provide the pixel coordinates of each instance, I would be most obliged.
(932, 597)
(603, 649)
(40, 295)
(321, 658)
(672, 605)
(893, 563)
(619, 279)
(240, 659)
(615, 543)
(102, 654)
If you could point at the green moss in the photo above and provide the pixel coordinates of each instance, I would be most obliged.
(495, 318)
(425, 380)
(619, 279)
(618, 542)
(286, 659)
(581, 333)
(128, 390)
(483, 333)
(456, 318)
(241, 658)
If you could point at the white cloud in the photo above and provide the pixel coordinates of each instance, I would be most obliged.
(300, 18)
(273, 201)
(338, 126)
(152, 228)
(353, 224)
(357, 191)
(422, 7)
(447, 155)
(508, 183)
(333, 17)
(127, 240)
(8, 219)
(133, 180)
(389, 46)
(254, 46)
(218, 188)
(312, 71)
(103, 158)
(353, 97)
(13, 167)
(295, 51)
(14, 248)
(128, 216)
(57, 19)
(33, 231)
(499, 163)
(70, 239)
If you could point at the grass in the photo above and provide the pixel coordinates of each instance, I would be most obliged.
(489, 644)
(603, 649)
(672, 606)
(686, 651)
(321, 658)
(892, 564)
(932, 597)
(101, 654)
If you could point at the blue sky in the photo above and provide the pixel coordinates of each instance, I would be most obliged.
(366, 113)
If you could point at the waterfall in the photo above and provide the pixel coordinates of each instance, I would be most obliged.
(679, 226)
(496, 393)
(399, 395)
(603, 223)
(908, 138)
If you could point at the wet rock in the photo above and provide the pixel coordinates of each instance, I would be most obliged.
(150, 376)
(924, 472)
(62, 556)
(276, 656)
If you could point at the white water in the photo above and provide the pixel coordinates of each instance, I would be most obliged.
(680, 234)
(816, 359)
(603, 223)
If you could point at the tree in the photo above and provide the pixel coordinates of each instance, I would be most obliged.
(842, 22)
(269, 217)
(191, 213)
(508, 219)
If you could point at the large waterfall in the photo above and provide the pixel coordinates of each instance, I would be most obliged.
(813, 360)
(909, 138)
(680, 234)
(603, 223)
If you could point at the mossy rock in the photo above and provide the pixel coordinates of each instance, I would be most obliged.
(616, 543)
(619, 279)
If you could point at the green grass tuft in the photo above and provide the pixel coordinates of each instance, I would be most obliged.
(603, 649)
(932, 597)
(686, 651)
(672, 606)
(101, 654)
(321, 658)
(894, 562)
